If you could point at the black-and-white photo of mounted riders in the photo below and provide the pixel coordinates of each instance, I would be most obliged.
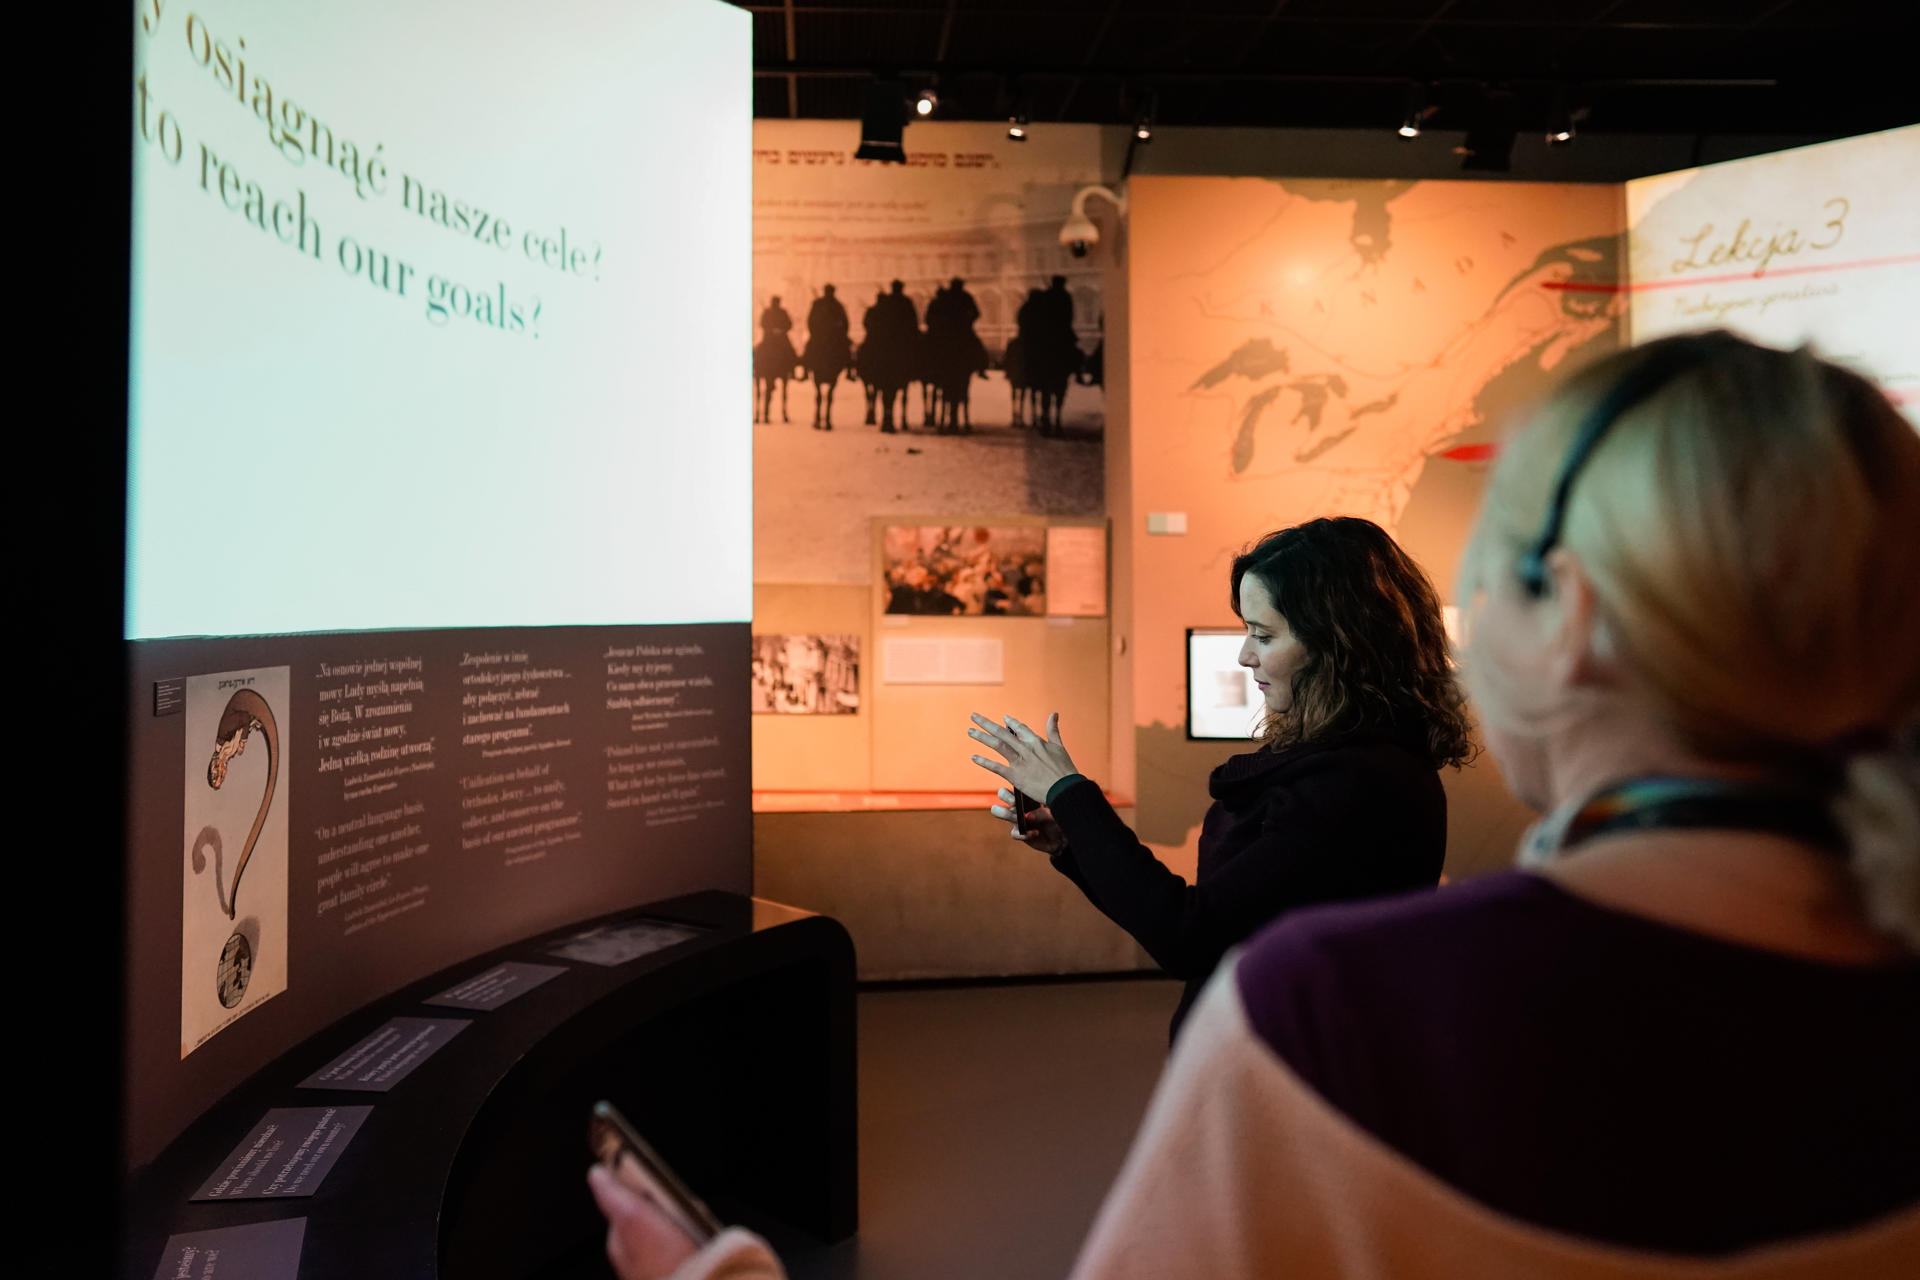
(922, 341)
(932, 358)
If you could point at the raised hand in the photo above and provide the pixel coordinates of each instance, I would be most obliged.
(1032, 763)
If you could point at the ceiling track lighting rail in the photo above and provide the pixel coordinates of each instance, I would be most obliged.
(892, 104)
(1175, 75)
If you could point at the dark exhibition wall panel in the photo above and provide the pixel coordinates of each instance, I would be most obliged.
(438, 523)
(390, 802)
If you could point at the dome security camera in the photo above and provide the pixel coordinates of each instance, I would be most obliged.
(1079, 233)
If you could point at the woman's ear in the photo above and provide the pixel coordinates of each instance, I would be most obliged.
(1600, 642)
(1581, 649)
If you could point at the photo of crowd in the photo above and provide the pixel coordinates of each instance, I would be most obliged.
(948, 570)
(806, 675)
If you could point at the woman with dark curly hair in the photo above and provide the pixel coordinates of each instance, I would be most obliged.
(1341, 801)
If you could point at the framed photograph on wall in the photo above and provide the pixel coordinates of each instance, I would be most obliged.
(965, 570)
(806, 675)
(1222, 702)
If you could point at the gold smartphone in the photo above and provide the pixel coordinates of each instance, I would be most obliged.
(627, 1157)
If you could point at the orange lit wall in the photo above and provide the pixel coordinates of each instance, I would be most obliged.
(1300, 348)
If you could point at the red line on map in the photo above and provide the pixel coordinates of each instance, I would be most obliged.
(1471, 452)
(1580, 286)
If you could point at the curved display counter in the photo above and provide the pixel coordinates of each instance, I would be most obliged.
(442, 1131)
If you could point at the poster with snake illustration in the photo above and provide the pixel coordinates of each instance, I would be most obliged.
(233, 920)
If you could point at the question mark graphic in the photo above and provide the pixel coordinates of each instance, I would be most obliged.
(536, 317)
(246, 713)
(596, 259)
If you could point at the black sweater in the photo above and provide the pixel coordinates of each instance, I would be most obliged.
(1357, 816)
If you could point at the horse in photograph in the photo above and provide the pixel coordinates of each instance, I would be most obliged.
(1050, 352)
(1052, 369)
(825, 369)
(887, 354)
(887, 373)
(953, 364)
(773, 361)
(829, 354)
(954, 354)
(862, 372)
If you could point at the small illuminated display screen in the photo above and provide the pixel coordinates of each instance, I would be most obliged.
(1222, 702)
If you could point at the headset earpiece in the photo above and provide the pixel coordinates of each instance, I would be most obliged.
(1533, 574)
(1660, 367)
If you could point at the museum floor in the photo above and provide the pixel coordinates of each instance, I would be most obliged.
(992, 1120)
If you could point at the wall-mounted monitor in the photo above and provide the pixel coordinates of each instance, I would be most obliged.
(1222, 702)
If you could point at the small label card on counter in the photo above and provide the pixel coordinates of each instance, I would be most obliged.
(497, 985)
(384, 1058)
(286, 1154)
(260, 1251)
(613, 944)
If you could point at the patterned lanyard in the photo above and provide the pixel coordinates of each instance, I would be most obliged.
(1654, 802)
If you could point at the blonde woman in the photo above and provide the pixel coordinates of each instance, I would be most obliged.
(1684, 1041)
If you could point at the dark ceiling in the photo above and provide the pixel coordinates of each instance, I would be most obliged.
(1685, 66)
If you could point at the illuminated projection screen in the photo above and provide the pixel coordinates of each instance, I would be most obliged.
(436, 317)
(1820, 244)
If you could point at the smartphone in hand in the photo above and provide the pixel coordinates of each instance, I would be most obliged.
(627, 1157)
(1022, 805)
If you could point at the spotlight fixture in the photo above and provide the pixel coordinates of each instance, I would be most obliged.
(1143, 115)
(882, 123)
(1021, 113)
(1560, 120)
(1417, 111)
(1017, 126)
(925, 101)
